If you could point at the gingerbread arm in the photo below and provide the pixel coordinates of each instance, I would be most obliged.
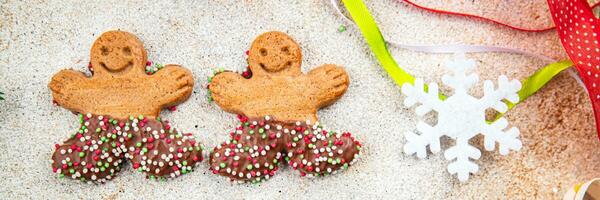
(329, 82)
(173, 83)
(229, 91)
(64, 87)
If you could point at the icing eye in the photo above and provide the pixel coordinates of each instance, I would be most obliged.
(104, 51)
(127, 51)
(285, 50)
(263, 52)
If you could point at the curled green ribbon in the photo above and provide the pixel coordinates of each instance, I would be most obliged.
(365, 22)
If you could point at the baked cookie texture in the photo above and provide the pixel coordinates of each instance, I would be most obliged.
(119, 107)
(277, 87)
(277, 105)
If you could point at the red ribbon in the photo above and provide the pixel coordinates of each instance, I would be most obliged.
(578, 29)
(447, 12)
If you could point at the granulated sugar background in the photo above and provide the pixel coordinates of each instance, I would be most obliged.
(38, 38)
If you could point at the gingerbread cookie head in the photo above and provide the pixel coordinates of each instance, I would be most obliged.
(119, 86)
(117, 52)
(275, 53)
(277, 87)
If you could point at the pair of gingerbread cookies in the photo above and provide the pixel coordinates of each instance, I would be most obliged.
(119, 108)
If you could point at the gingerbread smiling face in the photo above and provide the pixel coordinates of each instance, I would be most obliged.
(275, 53)
(277, 87)
(118, 110)
(118, 51)
(277, 108)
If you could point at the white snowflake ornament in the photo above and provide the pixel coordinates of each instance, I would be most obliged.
(462, 117)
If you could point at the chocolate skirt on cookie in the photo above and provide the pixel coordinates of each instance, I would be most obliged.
(257, 147)
(98, 149)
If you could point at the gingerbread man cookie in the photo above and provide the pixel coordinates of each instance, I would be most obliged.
(119, 107)
(277, 106)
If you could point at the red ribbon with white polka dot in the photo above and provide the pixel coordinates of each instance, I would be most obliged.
(578, 30)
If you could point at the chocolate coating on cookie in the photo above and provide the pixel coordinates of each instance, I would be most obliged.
(258, 146)
(95, 153)
(161, 151)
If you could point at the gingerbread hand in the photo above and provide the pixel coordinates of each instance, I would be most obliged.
(174, 84)
(119, 107)
(288, 100)
(228, 89)
(330, 81)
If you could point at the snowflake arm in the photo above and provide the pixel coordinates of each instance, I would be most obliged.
(429, 100)
(462, 152)
(418, 143)
(506, 90)
(507, 141)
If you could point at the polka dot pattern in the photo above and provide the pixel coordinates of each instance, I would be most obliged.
(578, 30)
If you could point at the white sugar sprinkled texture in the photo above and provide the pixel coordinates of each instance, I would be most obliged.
(37, 39)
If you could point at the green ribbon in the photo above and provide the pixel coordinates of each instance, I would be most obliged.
(365, 22)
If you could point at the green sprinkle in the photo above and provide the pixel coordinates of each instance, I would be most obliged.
(98, 130)
(99, 163)
(271, 167)
(131, 117)
(129, 135)
(249, 167)
(158, 119)
(222, 165)
(184, 163)
(72, 171)
(113, 145)
(251, 132)
(70, 164)
(81, 154)
(106, 165)
(275, 161)
(183, 171)
(295, 139)
(145, 149)
(261, 130)
(139, 144)
(345, 165)
(141, 117)
(61, 176)
(114, 136)
(264, 136)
